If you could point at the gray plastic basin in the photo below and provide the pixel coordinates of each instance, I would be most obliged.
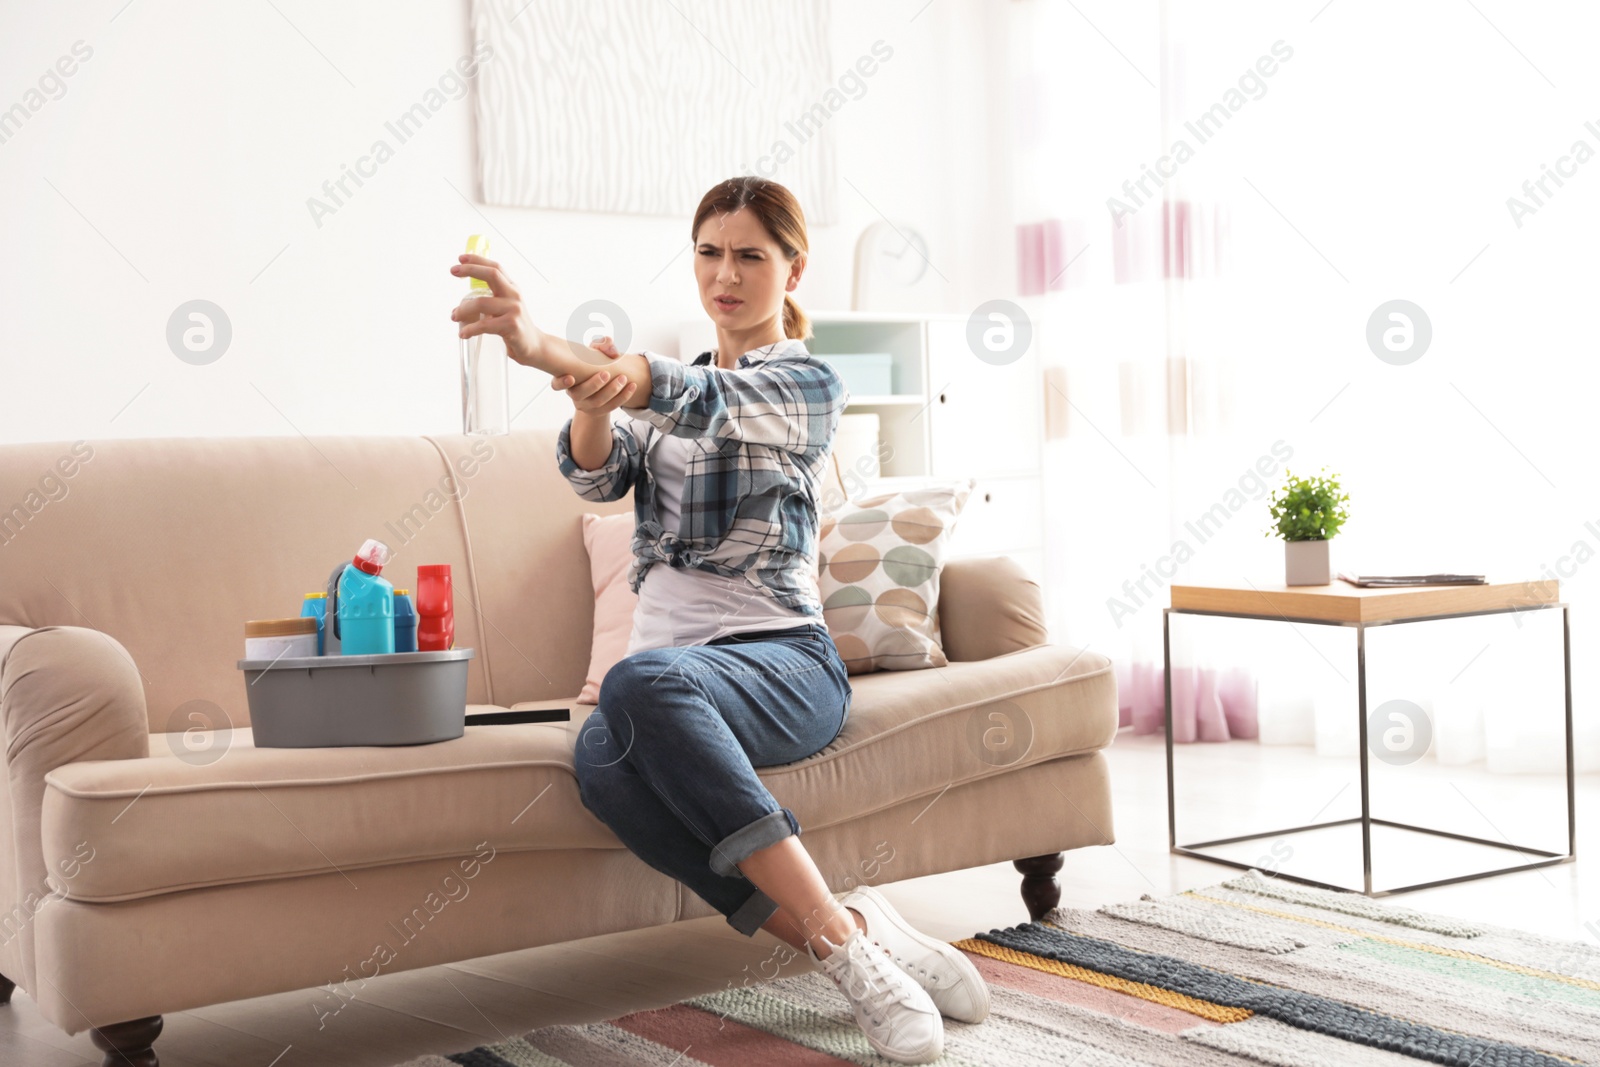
(402, 698)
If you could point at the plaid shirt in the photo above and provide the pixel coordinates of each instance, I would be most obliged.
(762, 435)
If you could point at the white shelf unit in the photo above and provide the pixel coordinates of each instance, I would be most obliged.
(951, 415)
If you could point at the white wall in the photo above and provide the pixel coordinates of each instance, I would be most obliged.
(177, 161)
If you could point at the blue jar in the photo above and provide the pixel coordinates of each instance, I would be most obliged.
(316, 605)
(405, 622)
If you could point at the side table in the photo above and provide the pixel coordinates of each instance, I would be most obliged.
(1341, 604)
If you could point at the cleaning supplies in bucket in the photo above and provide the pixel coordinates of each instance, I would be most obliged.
(424, 622)
(390, 673)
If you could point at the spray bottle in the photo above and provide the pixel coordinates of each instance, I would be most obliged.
(485, 388)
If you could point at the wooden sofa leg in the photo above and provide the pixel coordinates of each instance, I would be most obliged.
(1040, 890)
(128, 1044)
(6, 986)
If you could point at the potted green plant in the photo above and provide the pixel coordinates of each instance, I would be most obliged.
(1306, 513)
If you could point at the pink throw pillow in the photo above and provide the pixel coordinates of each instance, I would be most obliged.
(609, 542)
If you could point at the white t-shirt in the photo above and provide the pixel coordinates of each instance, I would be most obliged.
(681, 606)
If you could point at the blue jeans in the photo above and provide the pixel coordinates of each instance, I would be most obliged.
(667, 759)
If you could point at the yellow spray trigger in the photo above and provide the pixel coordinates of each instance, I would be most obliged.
(478, 245)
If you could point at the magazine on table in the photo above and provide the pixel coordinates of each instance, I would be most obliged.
(1379, 581)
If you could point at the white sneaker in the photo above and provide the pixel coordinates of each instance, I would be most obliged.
(898, 1017)
(955, 985)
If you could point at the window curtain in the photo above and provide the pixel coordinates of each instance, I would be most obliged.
(1206, 220)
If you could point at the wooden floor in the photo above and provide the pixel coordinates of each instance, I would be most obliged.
(1224, 790)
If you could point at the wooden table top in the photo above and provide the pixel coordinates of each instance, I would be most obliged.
(1342, 602)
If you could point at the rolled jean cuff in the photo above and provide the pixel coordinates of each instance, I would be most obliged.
(753, 914)
(753, 837)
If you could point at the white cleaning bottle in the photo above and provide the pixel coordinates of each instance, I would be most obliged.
(485, 366)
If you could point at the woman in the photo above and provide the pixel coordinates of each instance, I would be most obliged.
(730, 665)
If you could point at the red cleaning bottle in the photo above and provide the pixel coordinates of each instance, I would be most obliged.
(436, 618)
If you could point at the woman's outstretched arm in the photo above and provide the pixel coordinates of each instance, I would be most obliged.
(792, 402)
(504, 314)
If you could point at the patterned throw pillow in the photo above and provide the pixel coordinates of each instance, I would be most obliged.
(878, 561)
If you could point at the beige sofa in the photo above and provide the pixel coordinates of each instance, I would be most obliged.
(153, 860)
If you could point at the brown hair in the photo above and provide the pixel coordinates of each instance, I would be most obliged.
(779, 212)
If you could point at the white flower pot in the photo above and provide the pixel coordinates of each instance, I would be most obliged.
(1306, 563)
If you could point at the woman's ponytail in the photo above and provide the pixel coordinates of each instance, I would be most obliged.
(796, 326)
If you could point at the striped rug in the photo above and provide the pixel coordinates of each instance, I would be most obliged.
(1254, 970)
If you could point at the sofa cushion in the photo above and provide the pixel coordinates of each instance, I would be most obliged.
(989, 606)
(164, 823)
(915, 734)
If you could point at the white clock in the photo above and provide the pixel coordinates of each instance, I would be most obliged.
(890, 260)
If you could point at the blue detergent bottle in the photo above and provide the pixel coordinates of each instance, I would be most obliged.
(366, 603)
(405, 622)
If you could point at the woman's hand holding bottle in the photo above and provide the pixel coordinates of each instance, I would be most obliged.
(619, 381)
(502, 313)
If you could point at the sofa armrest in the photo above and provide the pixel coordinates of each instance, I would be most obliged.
(67, 694)
(988, 606)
